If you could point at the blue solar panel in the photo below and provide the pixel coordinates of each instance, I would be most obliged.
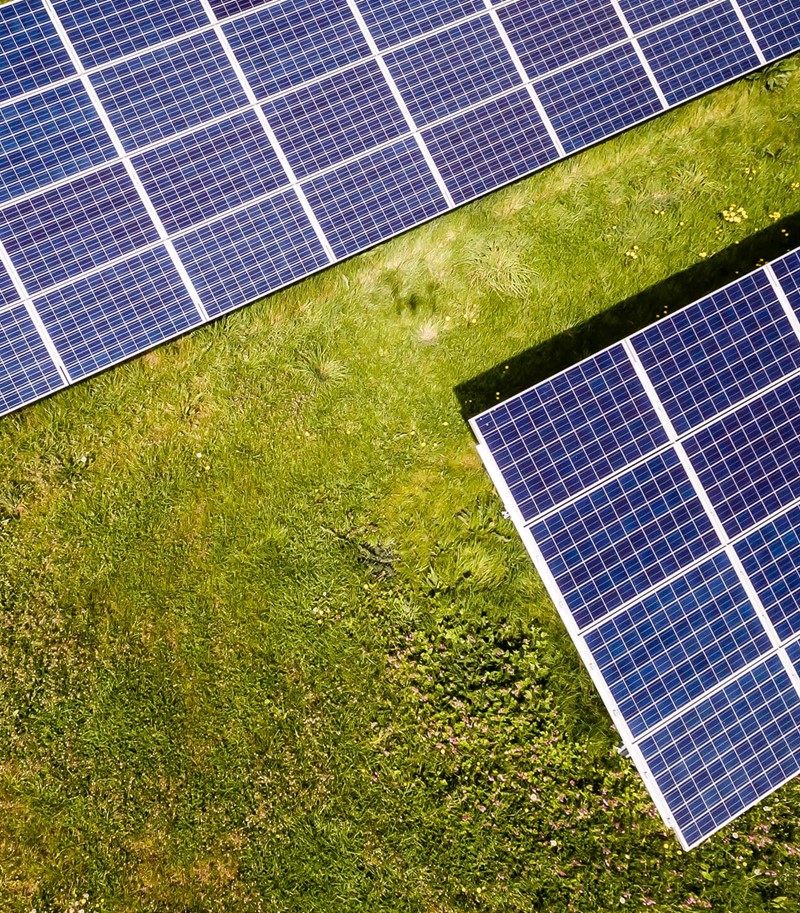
(75, 227)
(210, 171)
(452, 70)
(568, 433)
(771, 558)
(678, 643)
(775, 24)
(749, 461)
(718, 351)
(699, 53)
(117, 312)
(647, 14)
(285, 44)
(26, 370)
(243, 256)
(597, 97)
(329, 121)
(168, 90)
(787, 271)
(101, 30)
(31, 53)
(375, 197)
(8, 291)
(719, 757)
(224, 8)
(47, 137)
(617, 541)
(490, 145)
(394, 21)
(548, 34)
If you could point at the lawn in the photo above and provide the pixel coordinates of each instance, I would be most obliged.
(267, 641)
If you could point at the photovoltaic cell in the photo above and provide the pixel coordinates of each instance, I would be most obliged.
(224, 8)
(31, 53)
(699, 53)
(595, 98)
(715, 353)
(47, 137)
(646, 14)
(771, 558)
(749, 461)
(678, 643)
(326, 122)
(288, 43)
(169, 90)
(210, 171)
(490, 145)
(720, 756)
(243, 256)
(787, 271)
(548, 34)
(444, 73)
(614, 543)
(102, 30)
(375, 197)
(118, 312)
(394, 21)
(26, 370)
(566, 434)
(75, 227)
(8, 292)
(775, 24)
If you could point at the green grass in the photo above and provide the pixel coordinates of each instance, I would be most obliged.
(266, 641)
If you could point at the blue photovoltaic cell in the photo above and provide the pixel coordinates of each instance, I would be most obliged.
(26, 370)
(646, 14)
(441, 74)
(571, 431)
(597, 97)
(775, 24)
(8, 292)
(787, 271)
(699, 53)
(324, 123)
(169, 90)
(117, 312)
(728, 751)
(375, 197)
(394, 21)
(243, 256)
(749, 461)
(718, 351)
(290, 42)
(210, 171)
(771, 557)
(548, 34)
(617, 541)
(48, 137)
(102, 30)
(31, 53)
(224, 8)
(678, 643)
(75, 227)
(490, 145)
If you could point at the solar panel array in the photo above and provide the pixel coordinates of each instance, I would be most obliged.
(656, 486)
(165, 161)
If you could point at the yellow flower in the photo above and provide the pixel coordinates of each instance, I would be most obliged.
(775, 216)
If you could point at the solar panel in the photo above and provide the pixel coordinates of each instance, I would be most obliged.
(131, 130)
(656, 486)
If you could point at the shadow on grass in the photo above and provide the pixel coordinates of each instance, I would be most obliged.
(521, 371)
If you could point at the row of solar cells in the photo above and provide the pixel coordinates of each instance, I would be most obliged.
(649, 581)
(55, 235)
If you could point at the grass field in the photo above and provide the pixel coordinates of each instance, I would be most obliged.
(266, 641)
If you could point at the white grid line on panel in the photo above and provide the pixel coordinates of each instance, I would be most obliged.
(415, 131)
(103, 115)
(785, 303)
(248, 90)
(748, 31)
(520, 68)
(640, 53)
(25, 299)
